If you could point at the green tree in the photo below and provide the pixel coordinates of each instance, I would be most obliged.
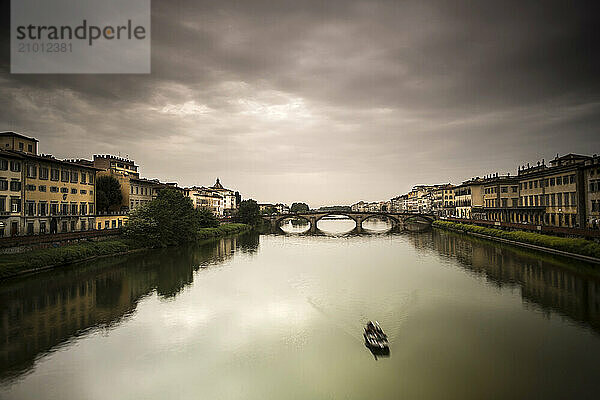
(207, 218)
(299, 207)
(269, 210)
(108, 193)
(249, 212)
(168, 220)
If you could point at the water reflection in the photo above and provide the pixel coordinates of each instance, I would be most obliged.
(42, 312)
(546, 282)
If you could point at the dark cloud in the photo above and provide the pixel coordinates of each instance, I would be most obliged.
(331, 101)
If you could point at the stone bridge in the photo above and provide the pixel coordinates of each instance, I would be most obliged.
(312, 217)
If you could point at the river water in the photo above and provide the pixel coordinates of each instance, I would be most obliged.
(281, 317)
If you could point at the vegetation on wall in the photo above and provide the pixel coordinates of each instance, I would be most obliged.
(570, 245)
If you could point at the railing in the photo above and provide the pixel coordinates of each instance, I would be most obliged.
(552, 230)
(13, 241)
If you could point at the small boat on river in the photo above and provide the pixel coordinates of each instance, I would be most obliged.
(375, 338)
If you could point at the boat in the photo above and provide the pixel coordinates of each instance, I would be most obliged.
(375, 338)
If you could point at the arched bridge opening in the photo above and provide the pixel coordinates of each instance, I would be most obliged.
(336, 223)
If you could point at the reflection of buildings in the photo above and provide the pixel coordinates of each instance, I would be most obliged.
(544, 280)
(46, 310)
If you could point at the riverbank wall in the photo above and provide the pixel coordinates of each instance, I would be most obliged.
(37, 260)
(577, 248)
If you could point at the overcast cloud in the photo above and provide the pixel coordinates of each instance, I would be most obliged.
(330, 102)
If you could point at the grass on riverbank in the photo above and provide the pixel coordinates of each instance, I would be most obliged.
(570, 245)
(14, 264)
(223, 230)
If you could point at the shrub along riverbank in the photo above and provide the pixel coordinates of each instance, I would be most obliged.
(569, 245)
(20, 263)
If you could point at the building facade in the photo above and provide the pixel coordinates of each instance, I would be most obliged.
(44, 194)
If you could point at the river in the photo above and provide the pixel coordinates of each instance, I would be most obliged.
(281, 317)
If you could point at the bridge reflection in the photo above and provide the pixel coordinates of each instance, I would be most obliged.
(546, 282)
(345, 226)
(42, 312)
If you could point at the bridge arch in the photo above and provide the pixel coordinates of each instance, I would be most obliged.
(346, 229)
(276, 223)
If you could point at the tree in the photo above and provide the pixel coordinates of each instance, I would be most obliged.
(108, 193)
(168, 220)
(269, 210)
(249, 212)
(207, 218)
(299, 207)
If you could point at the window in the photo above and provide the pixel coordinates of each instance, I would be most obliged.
(83, 208)
(3, 165)
(73, 191)
(43, 173)
(106, 224)
(91, 208)
(91, 178)
(64, 175)
(64, 190)
(559, 199)
(15, 186)
(535, 183)
(42, 188)
(114, 224)
(558, 180)
(30, 228)
(54, 208)
(565, 179)
(43, 208)
(541, 183)
(42, 227)
(83, 177)
(54, 189)
(3, 184)
(2, 204)
(64, 226)
(83, 191)
(29, 148)
(74, 177)
(15, 204)
(21, 145)
(31, 188)
(31, 171)
(54, 174)
(551, 181)
(553, 199)
(83, 224)
(15, 166)
(530, 184)
(30, 208)
(573, 202)
(74, 209)
(64, 209)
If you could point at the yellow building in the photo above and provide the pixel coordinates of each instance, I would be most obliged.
(111, 221)
(50, 196)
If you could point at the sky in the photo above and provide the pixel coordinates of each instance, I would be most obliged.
(330, 102)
